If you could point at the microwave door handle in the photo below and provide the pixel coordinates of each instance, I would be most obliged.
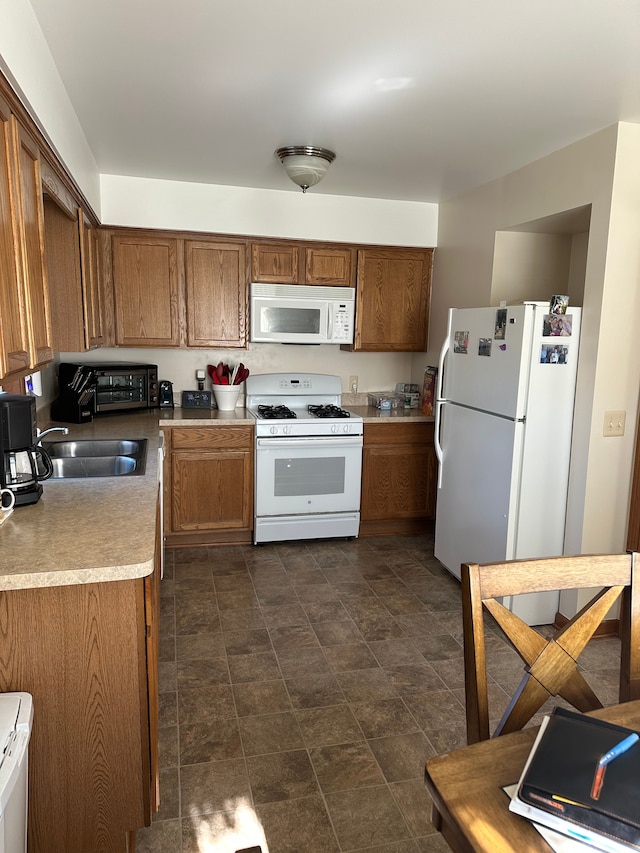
(329, 323)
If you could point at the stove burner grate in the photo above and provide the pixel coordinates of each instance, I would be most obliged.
(273, 412)
(328, 411)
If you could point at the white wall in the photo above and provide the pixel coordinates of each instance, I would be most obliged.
(148, 203)
(529, 266)
(602, 171)
(25, 55)
(375, 371)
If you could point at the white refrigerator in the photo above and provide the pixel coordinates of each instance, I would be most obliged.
(504, 418)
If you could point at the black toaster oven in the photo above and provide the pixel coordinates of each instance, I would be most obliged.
(96, 388)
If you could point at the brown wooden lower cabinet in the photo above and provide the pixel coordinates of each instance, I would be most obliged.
(398, 478)
(83, 652)
(209, 485)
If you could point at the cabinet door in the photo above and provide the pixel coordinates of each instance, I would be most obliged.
(393, 291)
(216, 291)
(62, 251)
(146, 290)
(80, 649)
(394, 483)
(398, 475)
(29, 185)
(275, 263)
(211, 490)
(14, 330)
(91, 284)
(328, 266)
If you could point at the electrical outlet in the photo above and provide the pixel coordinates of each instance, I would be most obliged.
(614, 423)
(353, 384)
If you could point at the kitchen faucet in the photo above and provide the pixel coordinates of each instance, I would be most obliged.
(41, 435)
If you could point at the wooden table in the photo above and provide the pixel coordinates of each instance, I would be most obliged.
(470, 808)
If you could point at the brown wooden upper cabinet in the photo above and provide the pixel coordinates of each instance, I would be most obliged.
(64, 274)
(392, 300)
(275, 263)
(27, 155)
(329, 265)
(172, 291)
(146, 290)
(14, 327)
(91, 282)
(71, 251)
(297, 263)
(215, 284)
(25, 320)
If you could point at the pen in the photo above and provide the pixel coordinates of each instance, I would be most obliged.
(618, 749)
(607, 758)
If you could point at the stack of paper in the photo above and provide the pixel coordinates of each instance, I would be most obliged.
(572, 784)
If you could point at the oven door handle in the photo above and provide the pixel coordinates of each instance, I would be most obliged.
(310, 441)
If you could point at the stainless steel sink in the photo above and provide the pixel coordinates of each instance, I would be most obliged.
(95, 447)
(97, 457)
(94, 466)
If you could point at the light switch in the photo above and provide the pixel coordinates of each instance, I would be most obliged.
(614, 423)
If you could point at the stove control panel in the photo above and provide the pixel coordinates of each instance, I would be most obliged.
(309, 429)
(284, 429)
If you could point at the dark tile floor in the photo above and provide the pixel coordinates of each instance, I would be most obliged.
(302, 688)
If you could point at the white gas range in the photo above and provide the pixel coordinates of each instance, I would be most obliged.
(308, 460)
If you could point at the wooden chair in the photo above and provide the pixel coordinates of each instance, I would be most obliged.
(550, 665)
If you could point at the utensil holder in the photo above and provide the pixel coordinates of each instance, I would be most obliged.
(226, 396)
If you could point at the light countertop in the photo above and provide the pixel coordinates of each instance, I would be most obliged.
(86, 530)
(103, 528)
(370, 415)
(209, 417)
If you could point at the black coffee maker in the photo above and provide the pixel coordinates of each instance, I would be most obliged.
(22, 464)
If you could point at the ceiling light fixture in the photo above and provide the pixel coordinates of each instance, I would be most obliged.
(306, 165)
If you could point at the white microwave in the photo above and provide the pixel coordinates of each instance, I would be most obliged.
(302, 314)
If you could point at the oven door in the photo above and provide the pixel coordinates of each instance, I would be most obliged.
(301, 476)
(119, 390)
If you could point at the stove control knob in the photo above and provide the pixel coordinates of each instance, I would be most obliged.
(334, 428)
(286, 430)
(273, 430)
(346, 428)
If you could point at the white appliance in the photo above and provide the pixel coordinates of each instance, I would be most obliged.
(16, 715)
(302, 314)
(308, 458)
(504, 418)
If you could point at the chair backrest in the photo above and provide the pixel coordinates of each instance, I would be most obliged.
(550, 665)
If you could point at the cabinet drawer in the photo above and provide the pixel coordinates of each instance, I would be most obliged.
(398, 433)
(213, 438)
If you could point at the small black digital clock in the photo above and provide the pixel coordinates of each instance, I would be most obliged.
(196, 399)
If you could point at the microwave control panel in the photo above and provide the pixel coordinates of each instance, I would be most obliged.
(343, 323)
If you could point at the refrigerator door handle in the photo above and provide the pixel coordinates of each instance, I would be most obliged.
(436, 441)
(440, 399)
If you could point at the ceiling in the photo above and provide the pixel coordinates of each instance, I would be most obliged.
(420, 99)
